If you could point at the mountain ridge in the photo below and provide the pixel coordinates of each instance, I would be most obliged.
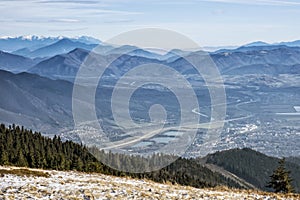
(15, 63)
(252, 166)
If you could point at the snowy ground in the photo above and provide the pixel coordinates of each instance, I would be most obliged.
(74, 185)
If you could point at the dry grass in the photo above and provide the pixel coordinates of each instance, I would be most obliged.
(23, 172)
(78, 185)
(259, 192)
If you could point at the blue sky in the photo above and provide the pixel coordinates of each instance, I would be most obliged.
(208, 22)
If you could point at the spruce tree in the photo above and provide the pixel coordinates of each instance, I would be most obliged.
(280, 179)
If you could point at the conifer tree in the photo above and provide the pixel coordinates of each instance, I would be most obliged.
(280, 179)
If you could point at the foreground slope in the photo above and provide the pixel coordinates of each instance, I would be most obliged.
(46, 184)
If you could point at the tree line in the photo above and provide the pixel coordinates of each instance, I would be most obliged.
(25, 148)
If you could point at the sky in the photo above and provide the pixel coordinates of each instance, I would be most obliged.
(208, 22)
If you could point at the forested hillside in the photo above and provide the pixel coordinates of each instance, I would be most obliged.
(24, 148)
(254, 167)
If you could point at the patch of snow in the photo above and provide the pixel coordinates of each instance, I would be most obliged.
(76, 185)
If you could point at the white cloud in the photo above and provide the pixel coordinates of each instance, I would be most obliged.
(65, 20)
(116, 12)
(68, 29)
(69, 1)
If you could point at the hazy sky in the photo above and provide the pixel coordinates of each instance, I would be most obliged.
(208, 22)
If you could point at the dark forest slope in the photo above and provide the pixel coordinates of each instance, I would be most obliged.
(252, 166)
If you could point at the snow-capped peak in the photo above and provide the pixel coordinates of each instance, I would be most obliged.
(85, 39)
(31, 37)
(5, 37)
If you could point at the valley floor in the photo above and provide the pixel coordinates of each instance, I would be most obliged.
(23, 183)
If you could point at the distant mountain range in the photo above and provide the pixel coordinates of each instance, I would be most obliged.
(32, 43)
(257, 44)
(37, 77)
(60, 57)
(21, 44)
(272, 60)
(64, 66)
(60, 47)
(263, 60)
(295, 43)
